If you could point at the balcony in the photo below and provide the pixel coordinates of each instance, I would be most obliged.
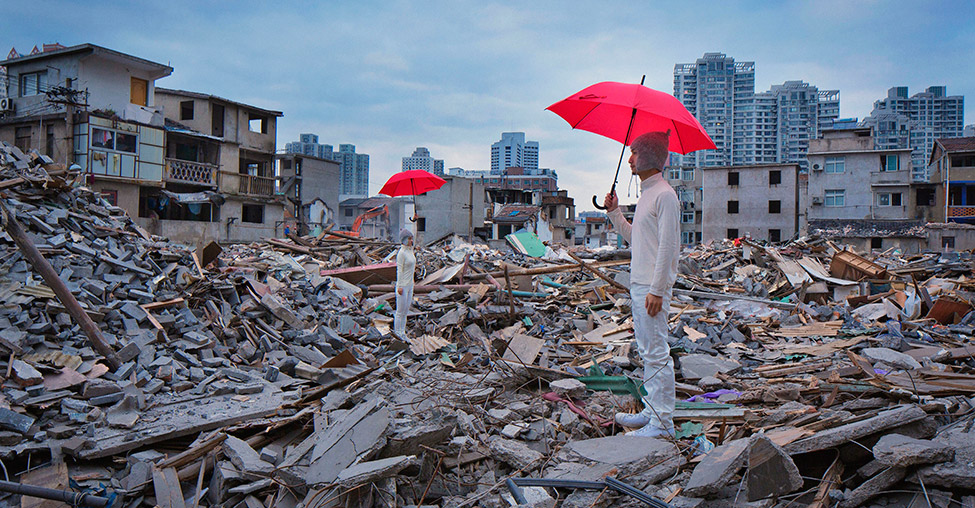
(256, 185)
(961, 212)
(882, 178)
(196, 173)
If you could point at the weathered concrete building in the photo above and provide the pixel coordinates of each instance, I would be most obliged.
(687, 182)
(459, 208)
(311, 185)
(952, 169)
(245, 139)
(760, 201)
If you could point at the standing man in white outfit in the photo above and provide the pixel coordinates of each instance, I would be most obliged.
(405, 267)
(654, 238)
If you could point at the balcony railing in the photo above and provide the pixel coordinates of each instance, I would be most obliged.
(191, 172)
(256, 185)
(961, 212)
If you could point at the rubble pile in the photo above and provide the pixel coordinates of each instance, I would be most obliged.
(267, 374)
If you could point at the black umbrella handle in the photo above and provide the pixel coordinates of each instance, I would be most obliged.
(601, 207)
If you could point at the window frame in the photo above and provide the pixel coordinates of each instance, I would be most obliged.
(684, 215)
(833, 194)
(834, 162)
(777, 173)
(39, 86)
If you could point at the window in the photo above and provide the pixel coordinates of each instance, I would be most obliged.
(686, 237)
(775, 206)
(349, 212)
(674, 173)
(257, 123)
(925, 197)
(111, 196)
(22, 138)
(687, 174)
(835, 197)
(687, 217)
(697, 236)
(139, 92)
(732, 234)
(835, 164)
(216, 120)
(775, 235)
(50, 140)
(732, 207)
(733, 178)
(774, 177)
(421, 224)
(877, 243)
(947, 242)
(252, 213)
(33, 84)
(186, 110)
(889, 163)
(889, 199)
(111, 140)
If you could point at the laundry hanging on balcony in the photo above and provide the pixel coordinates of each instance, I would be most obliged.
(191, 198)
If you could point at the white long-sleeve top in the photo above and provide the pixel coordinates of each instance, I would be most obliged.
(654, 236)
(405, 266)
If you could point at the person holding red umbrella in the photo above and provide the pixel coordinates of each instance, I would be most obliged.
(654, 238)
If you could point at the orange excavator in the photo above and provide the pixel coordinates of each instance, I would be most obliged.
(372, 213)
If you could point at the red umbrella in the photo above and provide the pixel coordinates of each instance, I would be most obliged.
(411, 183)
(605, 108)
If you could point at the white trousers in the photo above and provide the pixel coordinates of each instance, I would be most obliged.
(403, 302)
(658, 367)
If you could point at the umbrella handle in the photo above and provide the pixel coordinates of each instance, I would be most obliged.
(601, 207)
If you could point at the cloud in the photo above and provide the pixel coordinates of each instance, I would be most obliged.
(391, 75)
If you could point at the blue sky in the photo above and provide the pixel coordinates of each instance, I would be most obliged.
(451, 76)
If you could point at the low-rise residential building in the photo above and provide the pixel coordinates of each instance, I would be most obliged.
(311, 185)
(759, 201)
(456, 208)
(687, 183)
(591, 230)
(245, 142)
(550, 215)
(952, 169)
(850, 180)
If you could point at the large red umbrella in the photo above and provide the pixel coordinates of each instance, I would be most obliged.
(411, 183)
(623, 111)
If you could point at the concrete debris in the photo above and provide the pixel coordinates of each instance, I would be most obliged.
(267, 374)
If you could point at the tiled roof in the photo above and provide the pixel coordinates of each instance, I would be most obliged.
(958, 144)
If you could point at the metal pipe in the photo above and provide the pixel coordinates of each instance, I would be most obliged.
(516, 492)
(65, 496)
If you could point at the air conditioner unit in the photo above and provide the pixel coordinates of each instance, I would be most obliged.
(816, 200)
(6, 104)
(816, 167)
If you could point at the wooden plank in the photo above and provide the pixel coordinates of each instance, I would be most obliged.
(165, 482)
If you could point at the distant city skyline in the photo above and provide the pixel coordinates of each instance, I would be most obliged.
(481, 68)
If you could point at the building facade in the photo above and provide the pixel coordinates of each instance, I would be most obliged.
(902, 121)
(759, 201)
(513, 151)
(311, 187)
(354, 166)
(687, 182)
(458, 207)
(422, 160)
(851, 180)
(750, 128)
(952, 169)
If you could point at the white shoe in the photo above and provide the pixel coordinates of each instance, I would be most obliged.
(633, 420)
(650, 430)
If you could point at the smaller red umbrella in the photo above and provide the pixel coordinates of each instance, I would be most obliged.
(412, 183)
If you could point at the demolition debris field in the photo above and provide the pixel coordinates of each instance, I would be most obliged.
(156, 374)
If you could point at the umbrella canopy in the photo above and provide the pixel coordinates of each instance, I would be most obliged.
(411, 183)
(623, 111)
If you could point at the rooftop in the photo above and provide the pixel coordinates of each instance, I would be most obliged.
(198, 95)
(156, 70)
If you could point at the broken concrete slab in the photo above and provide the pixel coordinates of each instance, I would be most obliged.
(771, 471)
(718, 468)
(844, 433)
(569, 388)
(699, 366)
(872, 487)
(653, 458)
(245, 458)
(960, 471)
(515, 453)
(369, 472)
(902, 451)
(891, 357)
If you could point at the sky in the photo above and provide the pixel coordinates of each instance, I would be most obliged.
(452, 76)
